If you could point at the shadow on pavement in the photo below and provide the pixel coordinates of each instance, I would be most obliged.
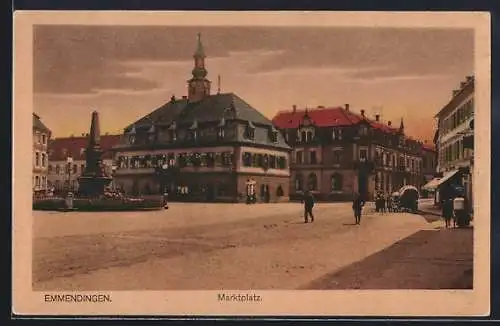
(428, 259)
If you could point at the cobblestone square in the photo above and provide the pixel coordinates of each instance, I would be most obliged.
(236, 246)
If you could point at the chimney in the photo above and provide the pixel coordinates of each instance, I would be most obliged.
(469, 78)
(184, 97)
(389, 123)
(455, 92)
(462, 84)
(83, 134)
(172, 99)
(363, 113)
(347, 107)
(377, 117)
(294, 108)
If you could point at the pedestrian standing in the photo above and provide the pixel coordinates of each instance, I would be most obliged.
(308, 206)
(357, 206)
(447, 211)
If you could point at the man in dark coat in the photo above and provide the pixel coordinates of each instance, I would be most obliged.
(357, 206)
(308, 206)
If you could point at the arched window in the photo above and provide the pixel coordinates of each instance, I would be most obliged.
(303, 136)
(299, 180)
(312, 182)
(309, 136)
(336, 182)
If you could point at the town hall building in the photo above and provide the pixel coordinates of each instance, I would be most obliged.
(204, 147)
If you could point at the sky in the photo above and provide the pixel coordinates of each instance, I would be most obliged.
(125, 72)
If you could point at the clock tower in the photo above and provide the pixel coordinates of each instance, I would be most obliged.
(199, 85)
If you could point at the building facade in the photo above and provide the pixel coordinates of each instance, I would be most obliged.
(455, 143)
(41, 138)
(337, 152)
(429, 165)
(204, 147)
(67, 159)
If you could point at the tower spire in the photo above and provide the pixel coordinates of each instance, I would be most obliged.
(218, 84)
(199, 49)
(198, 85)
(402, 126)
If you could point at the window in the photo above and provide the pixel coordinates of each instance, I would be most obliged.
(312, 182)
(273, 135)
(37, 159)
(50, 168)
(250, 131)
(336, 182)
(39, 138)
(193, 134)
(309, 136)
(299, 179)
(363, 130)
(44, 139)
(303, 136)
(272, 162)
(247, 159)
(312, 157)
(337, 156)
(363, 154)
(221, 133)
(75, 168)
(44, 159)
(298, 157)
(37, 181)
(82, 168)
(58, 169)
(172, 134)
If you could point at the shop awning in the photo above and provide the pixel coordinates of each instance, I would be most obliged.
(431, 185)
(447, 176)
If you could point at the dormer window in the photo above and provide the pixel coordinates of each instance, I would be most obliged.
(221, 129)
(336, 134)
(193, 131)
(273, 135)
(363, 130)
(152, 133)
(172, 131)
(131, 137)
(250, 131)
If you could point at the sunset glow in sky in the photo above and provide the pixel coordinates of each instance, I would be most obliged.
(126, 72)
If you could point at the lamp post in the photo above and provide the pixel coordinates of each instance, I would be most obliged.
(113, 170)
(69, 161)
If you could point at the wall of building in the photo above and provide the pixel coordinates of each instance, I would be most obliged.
(59, 177)
(40, 159)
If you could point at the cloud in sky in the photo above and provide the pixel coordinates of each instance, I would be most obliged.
(127, 71)
(81, 59)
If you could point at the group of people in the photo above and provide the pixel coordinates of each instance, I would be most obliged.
(386, 203)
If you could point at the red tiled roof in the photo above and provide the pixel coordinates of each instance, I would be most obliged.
(61, 148)
(326, 117)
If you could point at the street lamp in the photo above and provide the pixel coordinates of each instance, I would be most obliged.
(69, 161)
(113, 170)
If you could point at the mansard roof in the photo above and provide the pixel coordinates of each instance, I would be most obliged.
(212, 109)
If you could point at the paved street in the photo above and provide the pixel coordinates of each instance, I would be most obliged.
(231, 246)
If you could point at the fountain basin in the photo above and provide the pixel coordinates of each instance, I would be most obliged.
(100, 204)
